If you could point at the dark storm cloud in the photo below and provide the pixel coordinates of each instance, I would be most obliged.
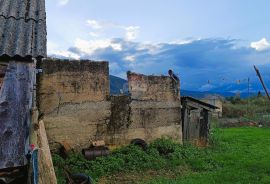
(202, 64)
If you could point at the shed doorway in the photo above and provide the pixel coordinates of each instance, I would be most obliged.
(195, 118)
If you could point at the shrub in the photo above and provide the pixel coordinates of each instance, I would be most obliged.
(161, 154)
(164, 146)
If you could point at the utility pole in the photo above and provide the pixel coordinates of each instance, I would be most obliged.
(248, 94)
(248, 87)
(261, 79)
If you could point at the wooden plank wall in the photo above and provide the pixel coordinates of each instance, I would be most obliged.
(15, 113)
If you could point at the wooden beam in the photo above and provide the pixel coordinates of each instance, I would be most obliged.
(46, 169)
(15, 115)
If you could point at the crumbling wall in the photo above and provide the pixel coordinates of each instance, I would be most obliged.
(119, 121)
(153, 88)
(154, 110)
(152, 120)
(73, 98)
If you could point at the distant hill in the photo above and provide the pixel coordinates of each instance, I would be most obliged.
(117, 84)
(198, 94)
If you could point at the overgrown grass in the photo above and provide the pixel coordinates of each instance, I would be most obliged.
(240, 155)
(250, 109)
(161, 154)
(236, 155)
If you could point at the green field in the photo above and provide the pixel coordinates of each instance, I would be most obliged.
(236, 155)
(242, 155)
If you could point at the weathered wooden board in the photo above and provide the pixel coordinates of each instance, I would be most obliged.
(46, 169)
(15, 115)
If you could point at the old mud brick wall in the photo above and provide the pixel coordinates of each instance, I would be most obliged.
(153, 110)
(72, 95)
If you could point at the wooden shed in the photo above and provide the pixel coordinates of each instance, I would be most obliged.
(195, 120)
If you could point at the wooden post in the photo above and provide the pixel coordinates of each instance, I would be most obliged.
(46, 169)
(262, 82)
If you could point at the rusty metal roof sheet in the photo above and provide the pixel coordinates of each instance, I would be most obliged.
(23, 28)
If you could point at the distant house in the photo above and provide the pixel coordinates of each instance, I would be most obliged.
(215, 100)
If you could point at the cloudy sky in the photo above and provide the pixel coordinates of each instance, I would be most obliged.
(210, 44)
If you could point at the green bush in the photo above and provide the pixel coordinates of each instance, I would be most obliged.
(251, 109)
(161, 154)
(164, 146)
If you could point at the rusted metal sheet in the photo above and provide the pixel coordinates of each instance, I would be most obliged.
(22, 29)
(15, 114)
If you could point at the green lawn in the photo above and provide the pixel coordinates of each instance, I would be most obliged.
(236, 155)
(241, 155)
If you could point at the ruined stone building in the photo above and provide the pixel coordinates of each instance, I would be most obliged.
(74, 98)
(52, 102)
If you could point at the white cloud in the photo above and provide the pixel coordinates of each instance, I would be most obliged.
(260, 45)
(185, 41)
(206, 87)
(91, 46)
(130, 58)
(63, 2)
(94, 24)
(109, 28)
(66, 54)
(151, 48)
(55, 50)
(132, 32)
(94, 34)
(52, 46)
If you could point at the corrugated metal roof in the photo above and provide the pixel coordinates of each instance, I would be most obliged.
(23, 9)
(23, 28)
